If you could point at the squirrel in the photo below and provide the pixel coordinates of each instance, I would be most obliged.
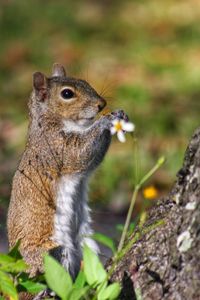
(48, 210)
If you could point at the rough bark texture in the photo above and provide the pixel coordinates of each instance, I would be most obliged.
(165, 262)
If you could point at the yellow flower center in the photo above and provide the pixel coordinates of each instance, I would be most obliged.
(118, 126)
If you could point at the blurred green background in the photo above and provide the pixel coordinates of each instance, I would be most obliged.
(143, 56)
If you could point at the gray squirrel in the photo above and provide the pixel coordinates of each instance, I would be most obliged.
(49, 210)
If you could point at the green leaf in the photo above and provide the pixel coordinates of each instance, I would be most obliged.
(105, 240)
(120, 227)
(101, 287)
(14, 252)
(132, 226)
(57, 278)
(33, 287)
(22, 277)
(14, 267)
(7, 286)
(80, 280)
(110, 293)
(5, 259)
(77, 294)
(38, 278)
(93, 268)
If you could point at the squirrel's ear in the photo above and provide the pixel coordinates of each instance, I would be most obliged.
(58, 70)
(40, 85)
(39, 81)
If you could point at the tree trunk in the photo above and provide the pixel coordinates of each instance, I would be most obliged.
(165, 262)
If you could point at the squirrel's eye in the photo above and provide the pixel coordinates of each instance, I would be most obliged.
(67, 94)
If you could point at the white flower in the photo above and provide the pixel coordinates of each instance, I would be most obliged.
(120, 127)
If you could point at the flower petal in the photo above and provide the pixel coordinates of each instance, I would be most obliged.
(122, 122)
(121, 136)
(128, 126)
(113, 130)
(115, 121)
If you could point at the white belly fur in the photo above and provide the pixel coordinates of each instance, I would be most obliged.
(66, 192)
(72, 220)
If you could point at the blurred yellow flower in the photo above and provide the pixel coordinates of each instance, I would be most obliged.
(150, 192)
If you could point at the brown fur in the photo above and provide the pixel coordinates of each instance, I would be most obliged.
(50, 153)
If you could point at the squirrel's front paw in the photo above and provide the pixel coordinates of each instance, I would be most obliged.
(110, 118)
(120, 114)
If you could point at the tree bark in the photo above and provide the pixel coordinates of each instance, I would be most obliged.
(165, 262)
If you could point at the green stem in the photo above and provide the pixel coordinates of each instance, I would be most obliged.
(152, 171)
(160, 161)
(128, 218)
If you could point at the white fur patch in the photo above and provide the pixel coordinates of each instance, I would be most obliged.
(64, 210)
(91, 244)
(72, 220)
(79, 126)
(85, 230)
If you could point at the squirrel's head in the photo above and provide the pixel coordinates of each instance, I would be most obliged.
(69, 98)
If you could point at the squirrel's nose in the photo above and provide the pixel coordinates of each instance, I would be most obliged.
(101, 104)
